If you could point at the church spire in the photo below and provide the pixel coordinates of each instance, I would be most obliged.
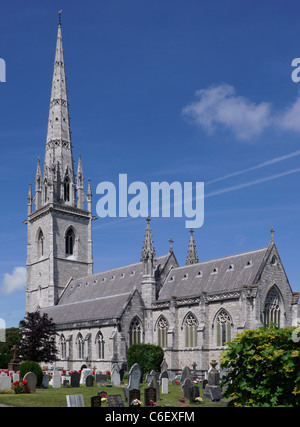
(58, 144)
(148, 251)
(192, 257)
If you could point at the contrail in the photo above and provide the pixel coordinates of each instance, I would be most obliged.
(261, 165)
(249, 184)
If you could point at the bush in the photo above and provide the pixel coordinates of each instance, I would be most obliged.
(148, 356)
(4, 360)
(263, 368)
(32, 367)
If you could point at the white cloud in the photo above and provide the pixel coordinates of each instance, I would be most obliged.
(289, 119)
(219, 105)
(15, 281)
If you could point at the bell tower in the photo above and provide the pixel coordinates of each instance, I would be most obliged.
(59, 239)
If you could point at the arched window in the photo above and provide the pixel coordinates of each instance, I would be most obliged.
(100, 345)
(162, 330)
(80, 346)
(223, 328)
(70, 242)
(63, 347)
(40, 243)
(272, 307)
(67, 189)
(190, 330)
(135, 332)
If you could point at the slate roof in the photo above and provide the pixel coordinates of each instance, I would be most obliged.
(99, 296)
(217, 275)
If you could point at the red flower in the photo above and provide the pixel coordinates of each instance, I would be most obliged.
(24, 382)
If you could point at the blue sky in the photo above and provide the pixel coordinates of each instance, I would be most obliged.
(167, 90)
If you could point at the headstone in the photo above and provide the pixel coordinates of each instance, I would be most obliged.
(215, 393)
(155, 374)
(148, 378)
(163, 366)
(31, 379)
(204, 382)
(154, 383)
(75, 379)
(96, 402)
(134, 377)
(212, 389)
(56, 380)
(14, 364)
(121, 374)
(75, 401)
(89, 381)
(194, 373)
(45, 382)
(5, 382)
(149, 395)
(164, 386)
(115, 401)
(186, 373)
(186, 388)
(125, 393)
(164, 374)
(133, 394)
(194, 392)
(84, 373)
(16, 377)
(115, 375)
(171, 376)
(100, 379)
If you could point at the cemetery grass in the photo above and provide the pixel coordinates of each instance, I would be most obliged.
(57, 397)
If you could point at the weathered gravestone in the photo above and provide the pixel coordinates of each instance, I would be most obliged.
(45, 382)
(15, 377)
(75, 379)
(164, 374)
(5, 382)
(186, 388)
(121, 374)
(89, 381)
(164, 386)
(125, 393)
(56, 380)
(149, 395)
(163, 366)
(134, 377)
(96, 401)
(186, 373)
(31, 379)
(115, 401)
(115, 375)
(212, 389)
(194, 392)
(154, 383)
(85, 373)
(75, 401)
(100, 379)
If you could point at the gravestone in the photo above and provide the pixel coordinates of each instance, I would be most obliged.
(163, 366)
(75, 401)
(186, 373)
(171, 376)
(75, 379)
(56, 380)
(133, 394)
(45, 382)
(155, 374)
(89, 381)
(121, 374)
(194, 373)
(96, 402)
(134, 377)
(186, 388)
(125, 393)
(31, 379)
(154, 383)
(149, 394)
(115, 375)
(164, 386)
(84, 373)
(164, 374)
(100, 379)
(5, 382)
(204, 382)
(16, 377)
(212, 389)
(194, 392)
(14, 364)
(115, 401)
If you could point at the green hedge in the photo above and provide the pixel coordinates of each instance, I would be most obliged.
(4, 360)
(263, 368)
(148, 356)
(34, 367)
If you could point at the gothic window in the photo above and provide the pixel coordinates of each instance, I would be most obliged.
(100, 345)
(67, 189)
(70, 242)
(135, 332)
(63, 347)
(223, 328)
(80, 347)
(272, 307)
(40, 244)
(162, 329)
(190, 330)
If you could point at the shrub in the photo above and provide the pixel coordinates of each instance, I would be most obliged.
(32, 367)
(263, 368)
(148, 356)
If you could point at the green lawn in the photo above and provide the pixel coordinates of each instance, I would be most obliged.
(57, 397)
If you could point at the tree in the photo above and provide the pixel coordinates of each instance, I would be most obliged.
(148, 356)
(263, 368)
(38, 338)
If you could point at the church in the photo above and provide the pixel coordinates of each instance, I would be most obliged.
(191, 311)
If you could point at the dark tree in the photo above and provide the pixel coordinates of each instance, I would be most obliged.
(38, 338)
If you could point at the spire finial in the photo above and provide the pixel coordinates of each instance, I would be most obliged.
(148, 250)
(192, 257)
(171, 244)
(59, 16)
(272, 234)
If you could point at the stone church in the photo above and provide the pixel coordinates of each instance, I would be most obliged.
(191, 311)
